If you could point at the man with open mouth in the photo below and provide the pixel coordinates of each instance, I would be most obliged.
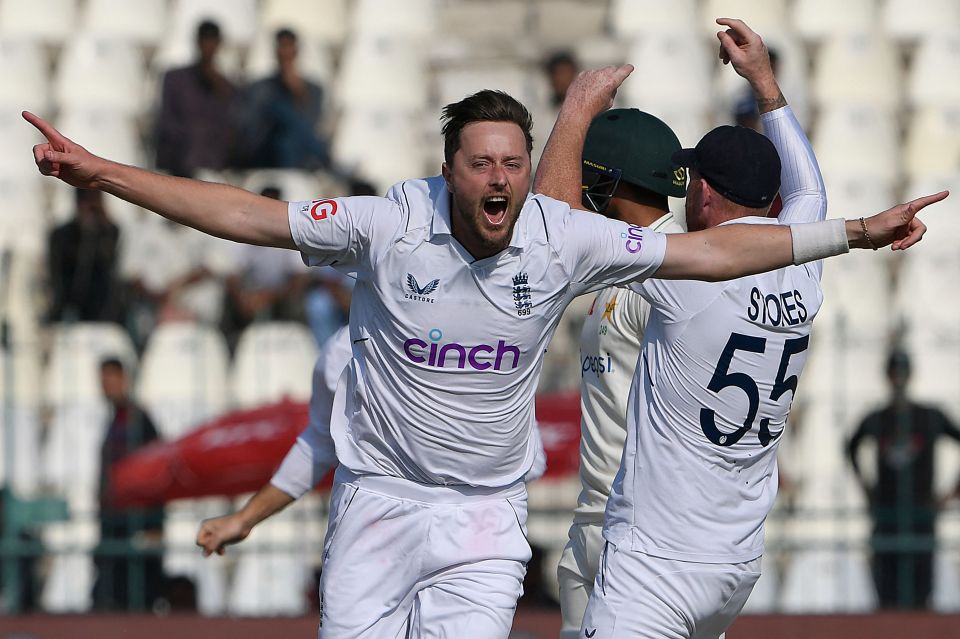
(432, 416)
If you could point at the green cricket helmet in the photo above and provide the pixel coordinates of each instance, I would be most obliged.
(633, 146)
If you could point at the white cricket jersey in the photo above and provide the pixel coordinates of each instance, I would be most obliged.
(716, 377)
(313, 454)
(609, 346)
(447, 349)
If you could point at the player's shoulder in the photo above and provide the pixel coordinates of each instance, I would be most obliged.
(418, 198)
(556, 220)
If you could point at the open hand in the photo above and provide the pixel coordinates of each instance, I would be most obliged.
(216, 533)
(898, 227)
(592, 92)
(62, 158)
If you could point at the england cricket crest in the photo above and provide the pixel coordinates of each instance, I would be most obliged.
(521, 294)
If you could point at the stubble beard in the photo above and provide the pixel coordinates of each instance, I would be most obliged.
(479, 235)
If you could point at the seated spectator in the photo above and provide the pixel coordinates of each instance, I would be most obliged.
(281, 116)
(125, 581)
(174, 272)
(561, 69)
(82, 260)
(194, 128)
(267, 284)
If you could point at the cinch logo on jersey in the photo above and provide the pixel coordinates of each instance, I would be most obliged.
(453, 355)
(634, 238)
(419, 293)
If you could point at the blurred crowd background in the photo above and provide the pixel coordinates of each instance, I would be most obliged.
(118, 328)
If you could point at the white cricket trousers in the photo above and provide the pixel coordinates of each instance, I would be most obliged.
(403, 559)
(638, 595)
(575, 574)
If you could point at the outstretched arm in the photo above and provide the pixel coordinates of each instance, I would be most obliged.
(735, 250)
(216, 209)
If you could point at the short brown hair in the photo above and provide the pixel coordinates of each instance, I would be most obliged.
(483, 106)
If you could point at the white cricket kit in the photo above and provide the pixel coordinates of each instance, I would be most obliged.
(437, 400)
(609, 347)
(716, 377)
(313, 455)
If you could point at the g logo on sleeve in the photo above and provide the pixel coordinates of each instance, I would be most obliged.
(319, 209)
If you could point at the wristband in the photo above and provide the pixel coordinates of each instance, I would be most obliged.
(817, 240)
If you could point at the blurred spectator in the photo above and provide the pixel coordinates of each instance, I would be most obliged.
(745, 111)
(281, 116)
(902, 502)
(125, 582)
(268, 284)
(174, 273)
(193, 128)
(561, 67)
(82, 260)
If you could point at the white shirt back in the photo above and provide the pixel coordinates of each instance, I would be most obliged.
(447, 349)
(609, 348)
(717, 374)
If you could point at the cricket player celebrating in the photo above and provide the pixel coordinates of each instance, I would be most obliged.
(460, 286)
(310, 458)
(628, 176)
(718, 368)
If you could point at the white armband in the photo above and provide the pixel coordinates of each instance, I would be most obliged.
(817, 240)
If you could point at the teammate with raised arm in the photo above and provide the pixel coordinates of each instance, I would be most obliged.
(718, 368)
(628, 176)
(460, 286)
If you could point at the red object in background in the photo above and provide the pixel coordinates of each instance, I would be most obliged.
(558, 415)
(239, 452)
(234, 454)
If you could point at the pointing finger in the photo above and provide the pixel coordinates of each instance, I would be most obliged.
(53, 136)
(914, 206)
(620, 74)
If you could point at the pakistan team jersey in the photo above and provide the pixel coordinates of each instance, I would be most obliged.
(447, 349)
(609, 346)
(717, 374)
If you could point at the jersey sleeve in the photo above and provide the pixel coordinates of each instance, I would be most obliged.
(313, 455)
(348, 232)
(801, 184)
(599, 252)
